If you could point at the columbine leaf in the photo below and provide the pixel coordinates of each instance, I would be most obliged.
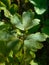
(32, 44)
(38, 37)
(27, 21)
(37, 6)
(17, 22)
(33, 40)
(5, 36)
(27, 18)
(34, 23)
(39, 10)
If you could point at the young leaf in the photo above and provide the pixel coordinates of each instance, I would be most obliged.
(39, 10)
(38, 37)
(37, 6)
(17, 22)
(33, 44)
(34, 40)
(27, 21)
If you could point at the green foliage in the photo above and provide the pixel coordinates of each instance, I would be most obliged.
(33, 40)
(26, 22)
(37, 6)
(23, 31)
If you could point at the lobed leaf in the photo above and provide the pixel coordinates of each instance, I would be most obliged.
(34, 40)
(27, 21)
(37, 6)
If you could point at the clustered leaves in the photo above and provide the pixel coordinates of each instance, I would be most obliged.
(20, 36)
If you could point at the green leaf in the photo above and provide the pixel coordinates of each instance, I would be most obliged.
(37, 6)
(34, 40)
(17, 22)
(27, 21)
(33, 44)
(27, 17)
(38, 37)
(6, 36)
(39, 10)
(34, 2)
